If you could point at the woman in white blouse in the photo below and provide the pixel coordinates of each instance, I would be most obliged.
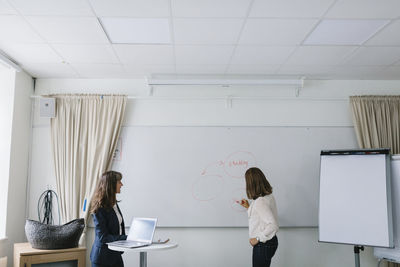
(263, 217)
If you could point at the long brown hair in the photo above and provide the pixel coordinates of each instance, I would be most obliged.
(105, 194)
(257, 184)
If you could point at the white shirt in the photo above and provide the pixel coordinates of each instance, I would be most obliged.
(119, 218)
(263, 218)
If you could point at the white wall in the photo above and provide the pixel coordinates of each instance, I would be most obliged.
(320, 103)
(19, 160)
(7, 77)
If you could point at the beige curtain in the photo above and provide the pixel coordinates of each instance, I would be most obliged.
(84, 135)
(376, 121)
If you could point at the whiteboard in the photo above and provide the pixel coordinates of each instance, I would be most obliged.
(191, 176)
(393, 254)
(355, 199)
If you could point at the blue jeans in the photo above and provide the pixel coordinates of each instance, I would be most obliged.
(263, 252)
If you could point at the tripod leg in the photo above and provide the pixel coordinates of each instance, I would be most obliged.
(357, 254)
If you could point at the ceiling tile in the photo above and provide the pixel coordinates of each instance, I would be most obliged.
(145, 54)
(364, 9)
(261, 55)
(86, 53)
(276, 31)
(69, 30)
(344, 32)
(99, 70)
(390, 35)
(374, 56)
(200, 69)
(131, 8)
(31, 53)
(210, 8)
(148, 70)
(207, 31)
(320, 55)
(50, 70)
(290, 8)
(20, 31)
(6, 9)
(193, 55)
(137, 30)
(53, 8)
(359, 72)
(391, 73)
(306, 70)
(253, 69)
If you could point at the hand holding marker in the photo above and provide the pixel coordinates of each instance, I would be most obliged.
(243, 202)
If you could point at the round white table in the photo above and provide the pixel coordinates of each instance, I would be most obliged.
(143, 250)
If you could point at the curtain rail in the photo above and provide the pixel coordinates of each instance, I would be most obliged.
(225, 98)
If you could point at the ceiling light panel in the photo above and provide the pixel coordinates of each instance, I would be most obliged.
(289, 8)
(365, 9)
(137, 30)
(207, 31)
(69, 30)
(387, 36)
(276, 31)
(53, 8)
(210, 8)
(344, 32)
(131, 8)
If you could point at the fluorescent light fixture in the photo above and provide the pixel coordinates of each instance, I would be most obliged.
(137, 30)
(344, 31)
(294, 82)
(6, 61)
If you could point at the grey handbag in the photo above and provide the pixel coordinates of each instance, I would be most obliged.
(47, 236)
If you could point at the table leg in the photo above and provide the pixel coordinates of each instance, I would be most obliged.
(143, 259)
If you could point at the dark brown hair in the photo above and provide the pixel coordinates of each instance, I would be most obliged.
(257, 184)
(105, 194)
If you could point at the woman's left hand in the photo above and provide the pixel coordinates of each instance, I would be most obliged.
(253, 241)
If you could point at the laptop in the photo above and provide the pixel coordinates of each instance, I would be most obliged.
(140, 233)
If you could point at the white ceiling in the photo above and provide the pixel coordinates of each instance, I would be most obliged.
(316, 39)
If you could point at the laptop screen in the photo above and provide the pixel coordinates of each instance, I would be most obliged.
(142, 229)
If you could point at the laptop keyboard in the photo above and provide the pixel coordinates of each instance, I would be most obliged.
(129, 244)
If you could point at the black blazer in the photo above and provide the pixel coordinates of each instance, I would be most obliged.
(106, 230)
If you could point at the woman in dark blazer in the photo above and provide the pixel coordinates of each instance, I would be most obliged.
(108, 221)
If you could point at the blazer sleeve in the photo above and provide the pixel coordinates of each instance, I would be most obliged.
(103, 233)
